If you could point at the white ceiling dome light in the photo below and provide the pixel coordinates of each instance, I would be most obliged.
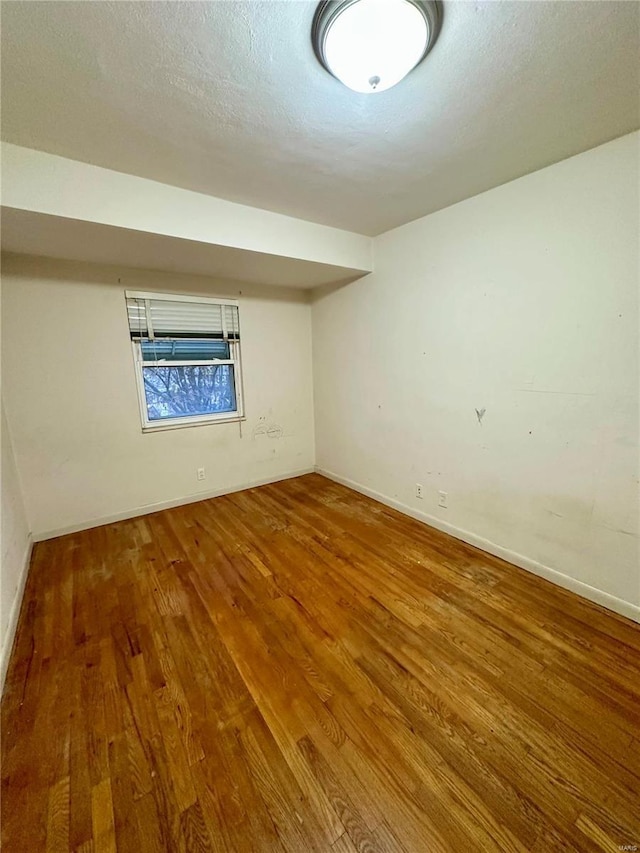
(370, 45)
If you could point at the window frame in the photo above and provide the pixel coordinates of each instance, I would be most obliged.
(235, 361)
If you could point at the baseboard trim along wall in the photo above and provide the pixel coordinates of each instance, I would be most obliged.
(156, 507)
(14, 614)
(618, 605)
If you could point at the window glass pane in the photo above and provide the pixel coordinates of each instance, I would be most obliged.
(189, 349)
(182, 392)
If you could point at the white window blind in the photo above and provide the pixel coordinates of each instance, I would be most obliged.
(186, 353)
(152, 316)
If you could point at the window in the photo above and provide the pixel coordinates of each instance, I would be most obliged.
(187, 359)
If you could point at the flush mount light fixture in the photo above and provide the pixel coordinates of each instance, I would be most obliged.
(370, 45)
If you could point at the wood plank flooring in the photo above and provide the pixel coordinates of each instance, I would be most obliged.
(297, 668)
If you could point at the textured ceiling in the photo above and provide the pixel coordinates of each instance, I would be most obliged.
(227, 98)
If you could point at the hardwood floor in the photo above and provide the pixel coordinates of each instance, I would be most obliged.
(298, 668)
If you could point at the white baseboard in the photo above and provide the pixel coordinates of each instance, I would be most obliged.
(156, 507)
(14, 614)
(618, 605)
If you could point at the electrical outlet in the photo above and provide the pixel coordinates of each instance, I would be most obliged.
(201, 474)
(442, 499)
(419, 491)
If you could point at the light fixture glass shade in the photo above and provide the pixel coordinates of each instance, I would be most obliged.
(370, 45)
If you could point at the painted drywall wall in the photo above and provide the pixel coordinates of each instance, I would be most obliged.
(493, 355)
(44, 183)
(72, 406)
(16, 548)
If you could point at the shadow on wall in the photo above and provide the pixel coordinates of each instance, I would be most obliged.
(90, 273)
(327, 289)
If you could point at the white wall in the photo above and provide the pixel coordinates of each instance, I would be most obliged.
(522, 301)
(16, 549)
(45, 183)
(72, 407)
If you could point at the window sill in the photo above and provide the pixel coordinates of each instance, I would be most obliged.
(163, 426)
